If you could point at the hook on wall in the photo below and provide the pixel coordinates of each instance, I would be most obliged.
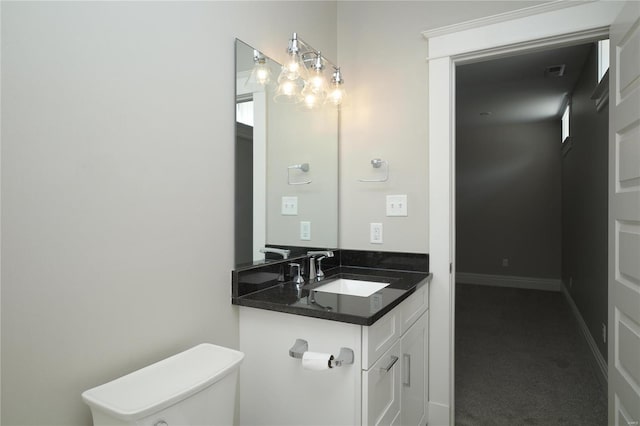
(304, 167)
(378, 163)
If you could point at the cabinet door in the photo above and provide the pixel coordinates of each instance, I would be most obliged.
(381, 389)
(274, 387)
(414, 364)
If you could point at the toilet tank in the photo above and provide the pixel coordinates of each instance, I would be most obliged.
(194, 387)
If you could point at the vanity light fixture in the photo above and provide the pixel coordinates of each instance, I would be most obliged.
(315, 86)
(261, 73)
(336, 90)
(302, 79)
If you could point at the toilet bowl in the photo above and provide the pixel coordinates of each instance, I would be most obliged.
(195, 387)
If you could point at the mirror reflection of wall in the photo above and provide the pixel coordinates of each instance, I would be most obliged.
(272, 137)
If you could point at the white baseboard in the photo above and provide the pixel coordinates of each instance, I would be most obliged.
(438, 414)
(530, 283)
(598, 359)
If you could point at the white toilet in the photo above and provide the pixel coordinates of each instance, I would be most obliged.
(196, 387)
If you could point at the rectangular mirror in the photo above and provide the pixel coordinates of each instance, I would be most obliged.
(286, 166)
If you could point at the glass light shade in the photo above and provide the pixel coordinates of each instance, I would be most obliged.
(288, 91)
(311, 99)
(336, 94)
(317, 82)
(260, 74)
(293, 68)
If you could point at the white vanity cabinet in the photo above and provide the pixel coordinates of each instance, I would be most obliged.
(394, 382)
(385, 385)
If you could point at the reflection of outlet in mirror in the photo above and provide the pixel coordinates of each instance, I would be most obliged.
(305, 231)
(396, 205)
(289, 206)
(376, 233)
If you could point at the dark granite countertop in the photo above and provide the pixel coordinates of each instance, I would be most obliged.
(286, 297)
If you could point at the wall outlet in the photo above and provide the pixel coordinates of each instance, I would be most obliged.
(505, 262)
(305, 231)
(396, 205)
(375, 233)
(604, 333)
(289, 206)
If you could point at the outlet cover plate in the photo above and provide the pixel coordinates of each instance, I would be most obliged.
(305, 231)
(375, 233)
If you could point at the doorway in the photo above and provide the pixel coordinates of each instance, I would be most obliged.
(494, 38)
(517, 205)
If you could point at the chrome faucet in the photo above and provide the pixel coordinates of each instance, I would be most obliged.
(298, 277)
(282, 252)
(319, 273)
(312, 263)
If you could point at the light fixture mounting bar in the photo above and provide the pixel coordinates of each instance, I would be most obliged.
(309, 53)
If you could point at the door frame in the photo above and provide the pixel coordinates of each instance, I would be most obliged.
(549, 26)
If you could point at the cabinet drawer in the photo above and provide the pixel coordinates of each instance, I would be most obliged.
(379, 337)
(381, 389)
(414, 306)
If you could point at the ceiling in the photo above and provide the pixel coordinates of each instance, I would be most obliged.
(517, 89)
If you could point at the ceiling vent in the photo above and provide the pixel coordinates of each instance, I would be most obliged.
(554, 71)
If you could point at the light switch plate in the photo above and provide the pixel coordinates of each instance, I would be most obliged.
(305, 230)
(397, 205)
(289, 206)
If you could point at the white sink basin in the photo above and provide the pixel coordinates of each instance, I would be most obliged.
(352, 287)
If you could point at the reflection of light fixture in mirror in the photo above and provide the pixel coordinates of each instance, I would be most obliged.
(305, 65)
(261, 73)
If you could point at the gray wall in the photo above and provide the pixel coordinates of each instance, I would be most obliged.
(383, 56)
(585, 205)
(508, 199)
(117, 186)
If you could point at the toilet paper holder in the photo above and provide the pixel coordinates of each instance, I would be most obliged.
(301, 346)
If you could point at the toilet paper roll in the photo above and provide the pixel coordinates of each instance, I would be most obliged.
(316, 361)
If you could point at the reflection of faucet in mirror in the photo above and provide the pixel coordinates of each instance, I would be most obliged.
(312, 263)
(282, 252)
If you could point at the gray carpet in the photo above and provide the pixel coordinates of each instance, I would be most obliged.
(520, 359)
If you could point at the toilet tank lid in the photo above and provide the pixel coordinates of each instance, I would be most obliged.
(164, 383)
